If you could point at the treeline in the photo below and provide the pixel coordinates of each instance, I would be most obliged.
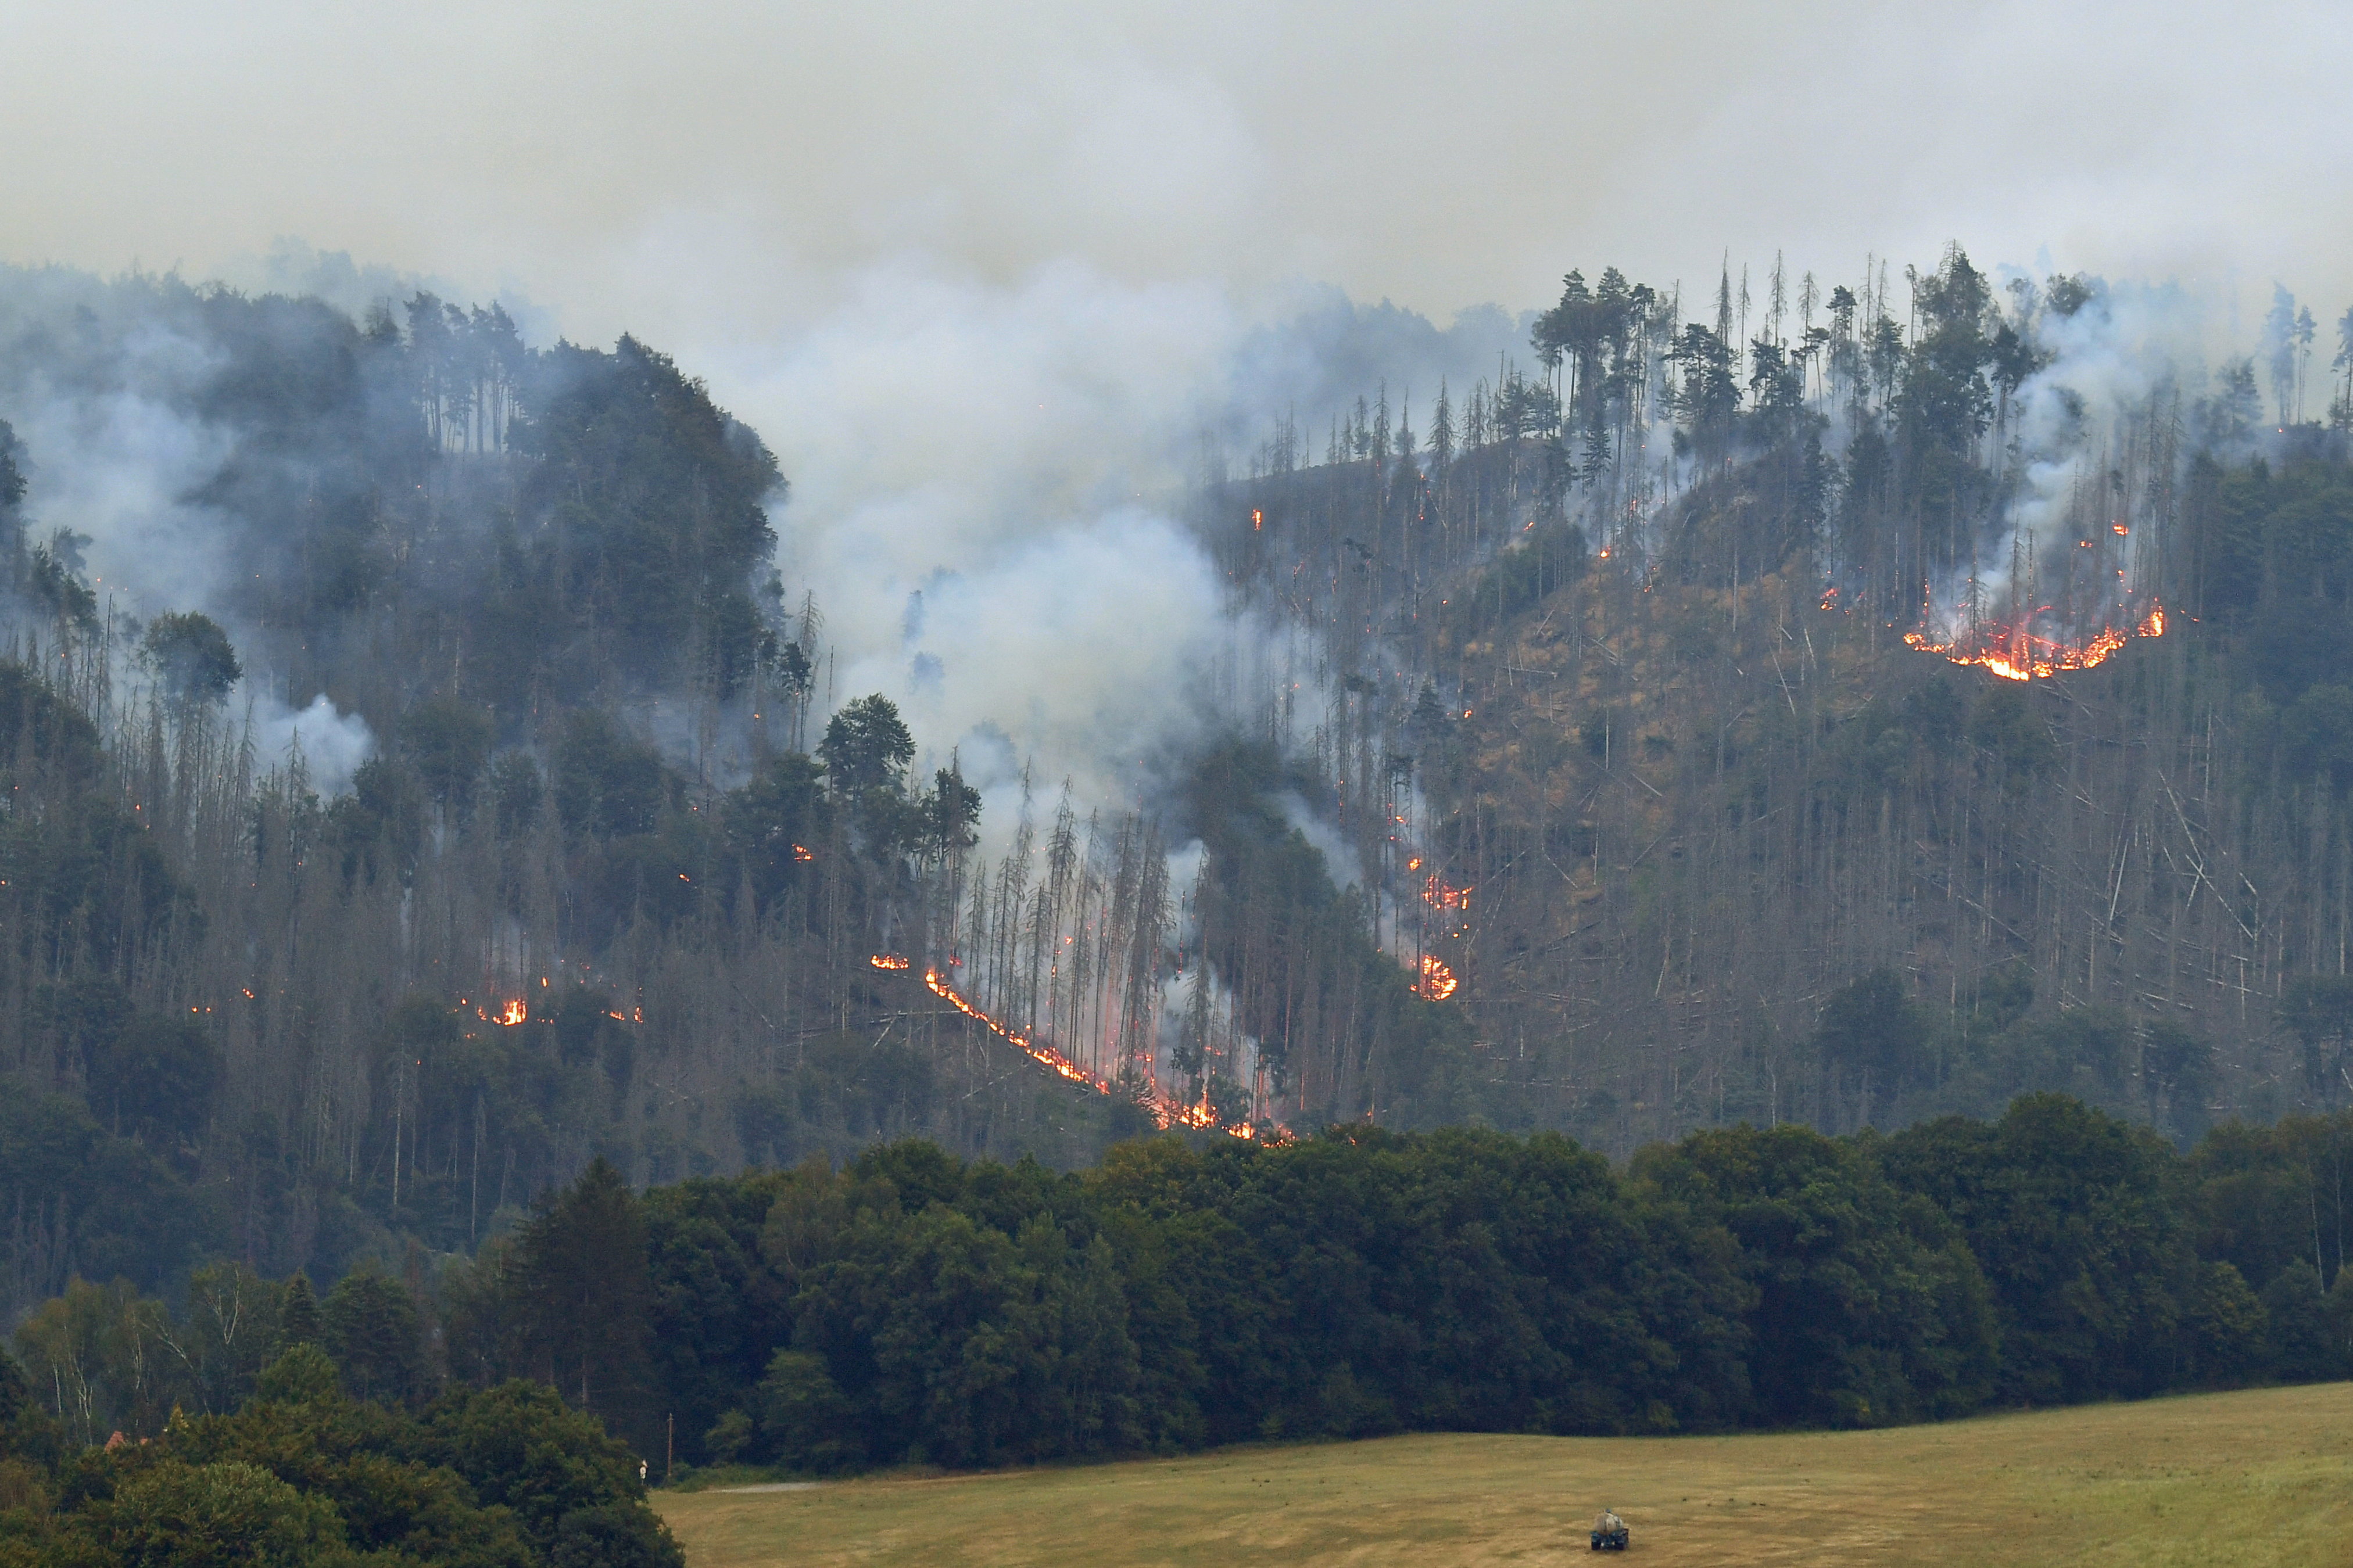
(416, 504)
(914, 1307)
(307, 1465)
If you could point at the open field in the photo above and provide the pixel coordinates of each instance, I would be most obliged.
(2256, 1477)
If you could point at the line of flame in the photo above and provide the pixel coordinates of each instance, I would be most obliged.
(2016, 653)
(1163, 1110)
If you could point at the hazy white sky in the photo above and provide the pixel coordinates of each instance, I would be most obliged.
(701, 173)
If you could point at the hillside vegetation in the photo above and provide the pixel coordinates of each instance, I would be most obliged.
(1623, 726)
(1718, 1011)
(1578, 775)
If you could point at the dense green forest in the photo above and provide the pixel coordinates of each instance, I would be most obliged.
(301, 1471)
(912, 1307)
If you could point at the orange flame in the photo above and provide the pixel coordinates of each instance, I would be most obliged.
(1438, 982)
(799, 853)
(890, 961)
(1164, 1110)
(512, 1013)
(2014, 653)
(1440, 894)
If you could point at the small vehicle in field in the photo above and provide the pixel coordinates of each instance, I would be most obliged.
(1609, 1532)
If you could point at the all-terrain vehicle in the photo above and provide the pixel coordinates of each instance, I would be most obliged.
(1609, 1532)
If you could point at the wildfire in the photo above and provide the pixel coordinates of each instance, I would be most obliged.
(1163, 1110)
(801, 854)
(512, 1013)
(2015, 653)
(1439, 894)
(1438, 982)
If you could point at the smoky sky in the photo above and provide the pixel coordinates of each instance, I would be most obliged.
(696, 173)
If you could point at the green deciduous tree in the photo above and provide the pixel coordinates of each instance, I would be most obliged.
(190, 655)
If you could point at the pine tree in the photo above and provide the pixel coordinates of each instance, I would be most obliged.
(582, 1297)
(297, 1315)
(372, 1331)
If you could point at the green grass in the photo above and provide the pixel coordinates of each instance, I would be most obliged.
(2264, 1477)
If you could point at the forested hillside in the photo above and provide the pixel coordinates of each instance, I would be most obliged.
(1853, 706)
(494, 838)
(1909, 711)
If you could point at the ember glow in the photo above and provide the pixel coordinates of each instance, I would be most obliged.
(2015, 653)
(1438, 982)
(1164, 1110)
(1439, 894)
(513, 1012)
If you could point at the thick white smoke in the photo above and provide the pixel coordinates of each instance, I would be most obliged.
(117, 467)
(984, 483)
(330, 743)
(2127, 344)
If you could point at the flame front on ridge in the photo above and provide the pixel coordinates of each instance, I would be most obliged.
(1164, 1110)
(2013, 651)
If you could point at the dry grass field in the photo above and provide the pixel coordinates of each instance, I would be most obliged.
(2255, 1478)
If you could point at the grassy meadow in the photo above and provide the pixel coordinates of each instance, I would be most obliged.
(2264, 1477)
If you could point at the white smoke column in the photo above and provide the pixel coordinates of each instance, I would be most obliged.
(333, 744)
(983, 480)
(2126, 344)
(115, 469)
(2127, 347)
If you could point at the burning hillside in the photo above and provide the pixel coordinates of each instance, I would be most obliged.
(1164, 1109)
(2016, 651)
